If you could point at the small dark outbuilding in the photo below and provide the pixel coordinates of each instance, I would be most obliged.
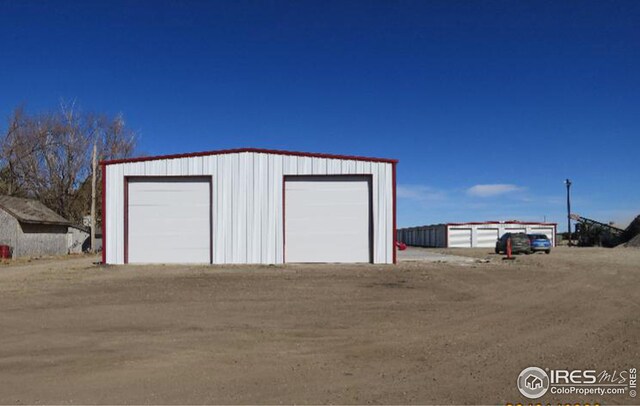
(32, 229)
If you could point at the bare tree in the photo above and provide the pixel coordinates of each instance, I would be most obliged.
(47, 156)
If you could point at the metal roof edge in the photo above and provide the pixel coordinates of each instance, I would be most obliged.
(241, 150)
(479, 223)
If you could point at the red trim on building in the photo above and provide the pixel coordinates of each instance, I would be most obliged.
(104, 214)
(395, 230)
(479, 223)
(211, 208)
(284, 224)
(125, 212)
(255, 150)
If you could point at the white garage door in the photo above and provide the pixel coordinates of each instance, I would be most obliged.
(327, 219)
(460, 238)
(486, 237)
(169, 220)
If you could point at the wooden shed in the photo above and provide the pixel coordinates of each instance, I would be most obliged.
(32, 229)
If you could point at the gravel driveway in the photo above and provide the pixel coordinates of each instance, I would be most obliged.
(419, 332)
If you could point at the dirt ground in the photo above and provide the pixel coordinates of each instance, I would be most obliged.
(74, 332)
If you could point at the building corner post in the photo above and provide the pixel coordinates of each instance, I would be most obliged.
(395, 230)
(103, 216)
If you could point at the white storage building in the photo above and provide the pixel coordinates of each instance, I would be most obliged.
(249, 206)
(471, 235)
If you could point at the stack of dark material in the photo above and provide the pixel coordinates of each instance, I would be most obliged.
(634, 242)
(631, 235)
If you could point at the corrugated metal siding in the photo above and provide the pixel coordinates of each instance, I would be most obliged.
(247, 201)
(424, 236)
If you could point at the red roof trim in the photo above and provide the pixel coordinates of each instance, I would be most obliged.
(255, 150)
(479, 223)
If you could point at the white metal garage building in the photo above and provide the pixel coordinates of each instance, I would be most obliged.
(249, 206)
(471, 235)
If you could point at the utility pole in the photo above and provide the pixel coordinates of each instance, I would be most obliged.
(94, 166)
(568, 183)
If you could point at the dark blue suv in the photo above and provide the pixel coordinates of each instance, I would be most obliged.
(540, 242)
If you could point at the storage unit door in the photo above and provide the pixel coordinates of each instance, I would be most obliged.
(459, 238)
(328, 219)
(169, 220)
(486, 237)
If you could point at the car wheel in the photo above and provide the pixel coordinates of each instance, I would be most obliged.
(547, 252)
(497, 250)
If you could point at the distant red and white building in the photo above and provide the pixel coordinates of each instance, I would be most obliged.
(471, 235)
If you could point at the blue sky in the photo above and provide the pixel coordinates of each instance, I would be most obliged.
(488, 105)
